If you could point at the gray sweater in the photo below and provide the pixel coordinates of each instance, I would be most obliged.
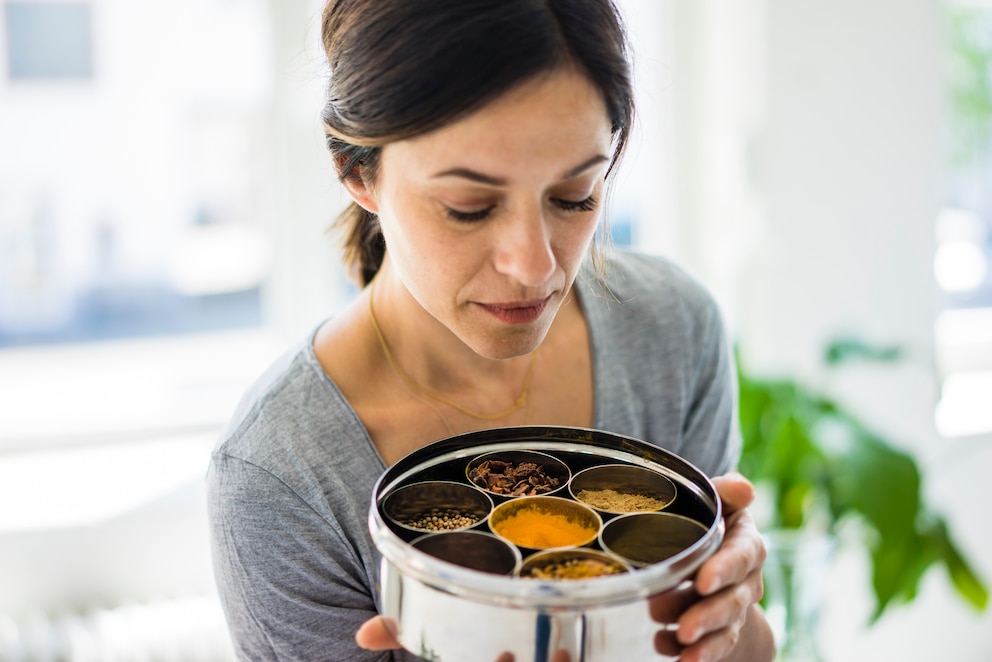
(290, 481)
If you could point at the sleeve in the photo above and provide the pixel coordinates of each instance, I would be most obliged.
(291, 586)
(711, 424)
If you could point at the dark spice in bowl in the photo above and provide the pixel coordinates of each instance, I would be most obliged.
(520, 479)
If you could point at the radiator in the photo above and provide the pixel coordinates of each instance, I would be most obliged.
(189, 629)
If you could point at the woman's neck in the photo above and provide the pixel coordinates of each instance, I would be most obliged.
(433, 360)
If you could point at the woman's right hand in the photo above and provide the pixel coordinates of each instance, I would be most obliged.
(376, 635)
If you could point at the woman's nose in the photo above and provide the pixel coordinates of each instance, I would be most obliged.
(523, 249)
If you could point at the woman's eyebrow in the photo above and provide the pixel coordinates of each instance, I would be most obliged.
(582, 167)
(472, 175)
(482, 178)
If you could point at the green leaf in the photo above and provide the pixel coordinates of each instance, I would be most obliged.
(967, 583)
(848, 349)
(885, 486)
(815, 456)
(897, 568)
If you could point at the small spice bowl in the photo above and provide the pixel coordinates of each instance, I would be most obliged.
(545, 522)
(476, 550)
(515, 473)
(572, 564)
(435, 505)
(643, 539)
(622, 488)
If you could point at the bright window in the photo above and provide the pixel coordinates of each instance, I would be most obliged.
(963, 259)
(48, 40)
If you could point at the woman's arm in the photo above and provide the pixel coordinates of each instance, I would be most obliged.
(290, 587)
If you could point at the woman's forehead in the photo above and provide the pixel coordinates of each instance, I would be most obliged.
(558, 120)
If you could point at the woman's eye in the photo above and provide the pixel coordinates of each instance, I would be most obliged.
(589, 204)
(468, 216)
(586, 205)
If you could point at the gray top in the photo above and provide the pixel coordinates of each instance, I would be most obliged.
(290, 482)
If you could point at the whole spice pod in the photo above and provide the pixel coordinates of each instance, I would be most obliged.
(518, 473)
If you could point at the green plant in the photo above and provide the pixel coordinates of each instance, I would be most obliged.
(826, 468)
(969, 77)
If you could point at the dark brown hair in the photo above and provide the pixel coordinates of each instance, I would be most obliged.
(401, 68)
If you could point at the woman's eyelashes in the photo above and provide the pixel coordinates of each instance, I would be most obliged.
(589, 204)
(468, 216)
(585, 205)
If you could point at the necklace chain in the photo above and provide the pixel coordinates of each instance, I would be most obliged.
(520, 402)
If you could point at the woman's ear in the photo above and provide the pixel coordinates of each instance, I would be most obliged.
(356, 186)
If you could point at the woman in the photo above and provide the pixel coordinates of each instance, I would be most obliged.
(476, 139)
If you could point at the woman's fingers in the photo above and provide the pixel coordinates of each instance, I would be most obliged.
(667, 607)
(725, 609)
(729, 582)
(750, 631)
(375, 634)
(743, 551)
(743, 548)
(735, 491)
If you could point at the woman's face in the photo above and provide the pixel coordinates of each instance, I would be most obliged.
(487, 220)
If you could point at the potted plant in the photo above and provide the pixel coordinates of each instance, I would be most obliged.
(825, 469)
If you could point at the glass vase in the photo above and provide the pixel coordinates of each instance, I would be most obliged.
(795, 574)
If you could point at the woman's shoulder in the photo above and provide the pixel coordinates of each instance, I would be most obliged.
(292, 400)
(639, 283)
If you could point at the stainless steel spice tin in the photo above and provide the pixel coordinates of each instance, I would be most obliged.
(447, 610)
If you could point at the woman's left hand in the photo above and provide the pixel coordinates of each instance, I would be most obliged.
(729, 585)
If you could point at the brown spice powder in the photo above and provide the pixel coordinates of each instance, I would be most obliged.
(575, 569)
(620, 502)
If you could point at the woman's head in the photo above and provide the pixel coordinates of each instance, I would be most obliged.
(402, 68)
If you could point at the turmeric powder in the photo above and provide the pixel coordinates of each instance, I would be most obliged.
(537, 529)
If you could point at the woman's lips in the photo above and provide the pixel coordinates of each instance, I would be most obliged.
(522, 312)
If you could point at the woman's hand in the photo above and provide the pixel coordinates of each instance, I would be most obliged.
(726, 622)
(376, 635)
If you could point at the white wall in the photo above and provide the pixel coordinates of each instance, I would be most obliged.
(809, 171)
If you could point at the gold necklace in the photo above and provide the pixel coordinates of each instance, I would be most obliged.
(520, 402)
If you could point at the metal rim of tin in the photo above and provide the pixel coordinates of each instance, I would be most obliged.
(515, 592)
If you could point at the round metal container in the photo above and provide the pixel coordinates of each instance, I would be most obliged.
(445, 612)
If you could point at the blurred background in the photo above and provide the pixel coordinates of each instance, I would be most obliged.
(825, 168)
